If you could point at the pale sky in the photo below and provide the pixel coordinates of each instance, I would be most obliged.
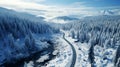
(54, 8)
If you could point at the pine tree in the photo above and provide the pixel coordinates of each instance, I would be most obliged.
(117, 57)
(73, 34)
(11, 41)
(91, 55)
(30, 42)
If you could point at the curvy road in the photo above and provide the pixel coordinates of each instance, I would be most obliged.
(74, 52)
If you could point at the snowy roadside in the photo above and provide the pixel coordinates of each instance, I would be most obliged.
(103, 58)
(64, 57)
(82, 52)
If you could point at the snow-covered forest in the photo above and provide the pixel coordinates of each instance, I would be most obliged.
(30, 41)
(18, 35)
(102, 34)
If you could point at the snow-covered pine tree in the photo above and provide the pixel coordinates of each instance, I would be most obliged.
(11, 43)
(117, 57)
(72, 34)
(91, 55)
(30, 42)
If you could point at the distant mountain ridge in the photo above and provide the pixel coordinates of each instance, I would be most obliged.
(63, 19)
(66, 18)
(110, 12)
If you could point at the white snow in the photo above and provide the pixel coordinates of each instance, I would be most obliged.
(64, 58)
(30, 64)
(43, 58)
(82, 54)
(55, 52)
(81, 50)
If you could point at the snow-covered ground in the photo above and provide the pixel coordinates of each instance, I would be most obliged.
(62, 51)
(103, 57)
(82, 52)
(64, 57)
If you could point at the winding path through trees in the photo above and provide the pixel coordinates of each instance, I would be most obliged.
(74, 52)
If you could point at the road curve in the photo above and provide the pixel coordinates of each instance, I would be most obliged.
(74, 52)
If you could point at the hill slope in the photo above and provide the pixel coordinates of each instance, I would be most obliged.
(20, 35)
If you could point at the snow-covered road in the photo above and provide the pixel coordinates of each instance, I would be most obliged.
(74, 52)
